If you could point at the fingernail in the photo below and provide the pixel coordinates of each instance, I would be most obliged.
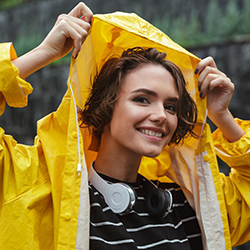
(196, 71)
(199, 88)
(76, 56)
(201, 94)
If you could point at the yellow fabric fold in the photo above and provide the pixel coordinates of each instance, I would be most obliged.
(235, 154)
(13, 89)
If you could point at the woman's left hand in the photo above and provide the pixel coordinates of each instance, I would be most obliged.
(216, 85)
(219, 90)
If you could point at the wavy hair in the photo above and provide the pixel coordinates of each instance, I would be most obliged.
(107, 84)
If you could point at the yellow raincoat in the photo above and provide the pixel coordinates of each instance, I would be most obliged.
(44, 201)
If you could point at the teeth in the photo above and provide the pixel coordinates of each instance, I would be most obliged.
(151, 133)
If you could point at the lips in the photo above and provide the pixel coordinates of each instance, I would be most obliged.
(151, 132)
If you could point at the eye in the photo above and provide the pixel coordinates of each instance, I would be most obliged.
(171, 107)
(141, 99)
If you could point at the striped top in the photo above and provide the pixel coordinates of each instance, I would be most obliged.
(137, 229)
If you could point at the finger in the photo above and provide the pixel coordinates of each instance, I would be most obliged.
(222, 82)
(206, 71)
(213, 81)
(81, 22)
(75, 29)
(82, 10)
(205, 87)
(78, 40)
(80, 26)
(72, 33)
(208, 61)
(82, 30)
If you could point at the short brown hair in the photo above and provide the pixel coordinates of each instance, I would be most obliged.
(107, 84)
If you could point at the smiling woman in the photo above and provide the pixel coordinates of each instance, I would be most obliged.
(108, 85)
(144, 104)
(140, 113)
(138, 105)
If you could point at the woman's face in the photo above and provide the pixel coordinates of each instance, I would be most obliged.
(144, 118)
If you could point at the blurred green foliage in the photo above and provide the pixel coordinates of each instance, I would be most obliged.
(24, 45)
(219, 26)
(7, 4)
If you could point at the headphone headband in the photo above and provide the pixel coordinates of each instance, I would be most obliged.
(121, 198)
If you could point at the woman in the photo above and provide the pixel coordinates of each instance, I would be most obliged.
(48, 199)
(138, 105)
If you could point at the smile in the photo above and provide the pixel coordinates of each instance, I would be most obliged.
(151, 133)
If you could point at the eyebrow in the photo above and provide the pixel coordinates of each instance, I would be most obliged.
(146, 91)
(152, 93)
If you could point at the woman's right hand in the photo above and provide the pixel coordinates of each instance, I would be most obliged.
(69, 32)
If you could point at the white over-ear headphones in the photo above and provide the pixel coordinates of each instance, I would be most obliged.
(121, 198)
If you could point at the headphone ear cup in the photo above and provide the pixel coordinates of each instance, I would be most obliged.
(158, 202)
(120, 197)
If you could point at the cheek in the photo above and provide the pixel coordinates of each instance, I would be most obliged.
(128, 113)
(173, 122)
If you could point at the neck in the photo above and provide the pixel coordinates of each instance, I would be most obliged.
(122, 166)
(117, 168)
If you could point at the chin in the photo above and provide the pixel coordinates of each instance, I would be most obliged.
(152, 154)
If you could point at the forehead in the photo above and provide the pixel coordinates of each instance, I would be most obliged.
(154, 77)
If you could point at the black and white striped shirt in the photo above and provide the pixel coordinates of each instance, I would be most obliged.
(137, 229)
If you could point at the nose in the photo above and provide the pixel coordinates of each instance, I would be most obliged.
(158, 115)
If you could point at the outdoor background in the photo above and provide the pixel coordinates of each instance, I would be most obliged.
(220, 28)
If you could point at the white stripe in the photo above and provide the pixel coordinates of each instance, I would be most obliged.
(106, 209)
(162, 242)
(153, 225)
(193, 236)
(95, 205)
(134, 212)
(140, 198)
(106, 223)
(142, 214)
(173, 189)
(139, 214)
(189, 218)
(112, 242)
(180, 204)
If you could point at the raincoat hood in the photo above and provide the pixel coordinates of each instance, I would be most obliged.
(110, 35)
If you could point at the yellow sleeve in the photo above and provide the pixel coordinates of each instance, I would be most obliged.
(236, 186)
(229, 150)
(13, 89)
